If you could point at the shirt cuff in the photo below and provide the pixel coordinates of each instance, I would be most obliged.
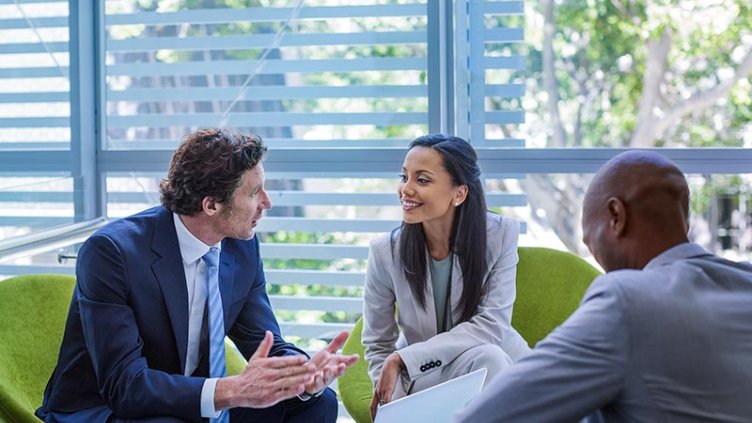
(207, 399)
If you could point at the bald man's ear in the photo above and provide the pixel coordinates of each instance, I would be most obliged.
(617, 216)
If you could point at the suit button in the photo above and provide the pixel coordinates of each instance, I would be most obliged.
(438, 363)
(432, 364)
(423, 368)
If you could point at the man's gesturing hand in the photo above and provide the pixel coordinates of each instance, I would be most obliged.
(266, 380)
(329, 365)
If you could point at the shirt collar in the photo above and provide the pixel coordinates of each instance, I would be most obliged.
(675, 253)
(191, 248)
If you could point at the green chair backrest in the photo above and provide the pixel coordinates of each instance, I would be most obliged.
(550, 285)
(33, 310)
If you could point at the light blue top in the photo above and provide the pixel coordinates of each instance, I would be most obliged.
(441, 274)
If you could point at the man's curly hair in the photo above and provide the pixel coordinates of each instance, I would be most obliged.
(209, 163)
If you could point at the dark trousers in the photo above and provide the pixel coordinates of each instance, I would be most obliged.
(322, 409)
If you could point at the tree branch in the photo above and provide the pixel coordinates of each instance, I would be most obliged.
(705, 98)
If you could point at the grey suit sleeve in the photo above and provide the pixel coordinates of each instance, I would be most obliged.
(380, 331)
(574, 371)
(491, 323)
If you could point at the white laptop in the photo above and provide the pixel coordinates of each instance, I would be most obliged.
(437, 404)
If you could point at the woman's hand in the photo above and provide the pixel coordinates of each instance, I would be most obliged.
(390, 373)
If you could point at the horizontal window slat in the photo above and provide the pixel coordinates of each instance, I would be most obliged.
(170, 144)
(313, 330)
(297, 198)
(42, 22)
(35, 122)
(366, 172)
(503, 7)
(263, 14)
(504, 90)
(304, 224)
(260, 119)
(267, 93)
(314, 277)
(37, 196)
(243, 67)
(228, 42)
(34, 72)
(35, 221)
(31, 269)
(14, 2)
(503, 35)
(313, 251)
(35, 145)
(302, 163)
(504, 62)
(22, 48)
(319, 303)
(279, 198)
(505, 116)
(34, 97)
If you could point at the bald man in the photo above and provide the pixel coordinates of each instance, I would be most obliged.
(664, 336)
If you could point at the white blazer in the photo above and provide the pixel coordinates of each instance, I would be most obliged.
(414, 331)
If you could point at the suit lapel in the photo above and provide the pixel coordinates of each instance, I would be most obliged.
(169, 272)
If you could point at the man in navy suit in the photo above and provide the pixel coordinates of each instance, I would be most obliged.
(135, 347)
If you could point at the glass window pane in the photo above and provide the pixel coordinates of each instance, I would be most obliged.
(34, 76)
(297, 76)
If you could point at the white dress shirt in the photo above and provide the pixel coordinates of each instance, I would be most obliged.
(191, 250)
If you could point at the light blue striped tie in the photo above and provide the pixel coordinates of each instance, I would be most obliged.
(217, 366)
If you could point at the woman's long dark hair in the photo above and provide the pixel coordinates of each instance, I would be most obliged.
(468, 236)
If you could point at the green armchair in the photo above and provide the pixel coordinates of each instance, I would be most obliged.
(550, 286)
(33, 310)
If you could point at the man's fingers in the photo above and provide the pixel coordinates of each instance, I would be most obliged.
(264, 347)
(289, 382)
(286, 392)
(337, 342)
(347, 360)
(286, 361)
(293, 371)
(320, 359)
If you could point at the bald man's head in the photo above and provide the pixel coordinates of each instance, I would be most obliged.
(636, 207)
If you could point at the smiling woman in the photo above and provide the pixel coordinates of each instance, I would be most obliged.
(449, 269)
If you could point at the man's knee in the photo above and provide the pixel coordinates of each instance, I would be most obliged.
(328, 405)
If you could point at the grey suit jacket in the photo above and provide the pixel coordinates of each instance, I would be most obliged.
(670, 343)
(414, 332)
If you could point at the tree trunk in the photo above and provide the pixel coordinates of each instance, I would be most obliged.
(551, 84)
(645, 132)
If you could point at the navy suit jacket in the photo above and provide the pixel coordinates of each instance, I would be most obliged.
(126, 336)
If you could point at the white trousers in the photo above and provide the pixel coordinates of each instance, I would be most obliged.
(490, 356)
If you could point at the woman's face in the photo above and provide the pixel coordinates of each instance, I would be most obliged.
(426, 191)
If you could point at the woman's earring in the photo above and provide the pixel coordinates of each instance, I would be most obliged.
(456, 204)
